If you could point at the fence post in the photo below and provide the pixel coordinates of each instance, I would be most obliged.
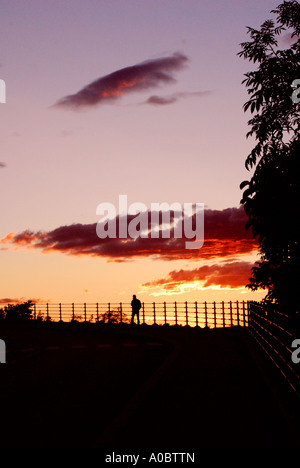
(34, 311)
(143, 312)
(215, 315)
(97, 311)
(237, 313)
(196, 311)
(73, 311)
(186, 313)
(175, 313)
(165, 313)
(244, 318)
(109, 312)
(47, 313)
(60, 317)
(121, 313)
(84, 308)
(223, 314)
(205, 312)
(154, 316)
(230, 308)
(248, 313)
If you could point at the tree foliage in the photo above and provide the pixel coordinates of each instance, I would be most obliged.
(271, 197)
(17, 312)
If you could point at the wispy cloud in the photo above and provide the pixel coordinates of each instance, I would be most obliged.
(142, 76)
(172, 98)
(224, 230)
(2, 164)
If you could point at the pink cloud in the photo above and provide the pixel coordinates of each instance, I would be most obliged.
(225, 236)
(139, 77)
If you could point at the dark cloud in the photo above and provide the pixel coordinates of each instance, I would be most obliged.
(10, 300)
(224, 236)
(161, 100)
(139, 77)
(170, 99)
(2, 164)
(226, 275)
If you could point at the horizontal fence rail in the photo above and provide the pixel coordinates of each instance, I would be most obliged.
(275, 333)
(193, 314)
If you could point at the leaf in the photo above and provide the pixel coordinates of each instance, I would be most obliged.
(244, 184)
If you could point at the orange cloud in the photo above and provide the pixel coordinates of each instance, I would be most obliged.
(225, 236)
(9, 300)
(233, 274)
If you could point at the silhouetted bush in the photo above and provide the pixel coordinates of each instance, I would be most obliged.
(41, 317)
(76, 318)
(113, 316)
(2, 314)
(17, 312)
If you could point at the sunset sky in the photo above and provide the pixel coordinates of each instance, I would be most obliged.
(142, 98)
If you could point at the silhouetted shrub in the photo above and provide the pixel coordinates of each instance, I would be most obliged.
(76, 318)
(2, 314)
(113, 316)
(17, 312)
(41, 317)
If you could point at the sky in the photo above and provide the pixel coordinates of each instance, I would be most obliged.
(135, 98)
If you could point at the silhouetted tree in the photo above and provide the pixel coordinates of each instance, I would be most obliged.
(271, 197)
(18, 312)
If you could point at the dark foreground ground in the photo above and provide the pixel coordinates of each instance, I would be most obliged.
(130, 388)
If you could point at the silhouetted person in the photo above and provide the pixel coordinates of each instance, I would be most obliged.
(135, 305)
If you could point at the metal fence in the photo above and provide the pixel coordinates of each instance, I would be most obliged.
(275, 333)
(194, 314)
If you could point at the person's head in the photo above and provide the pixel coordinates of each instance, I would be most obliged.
(134, 296)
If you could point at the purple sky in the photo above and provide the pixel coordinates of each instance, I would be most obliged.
(176, 134)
